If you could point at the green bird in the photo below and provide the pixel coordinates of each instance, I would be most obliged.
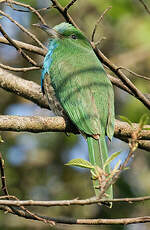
(77, 87)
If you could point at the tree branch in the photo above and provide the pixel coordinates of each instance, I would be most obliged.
(124, 130)
(69, 5)
(62, 11)
(21, 211)
(21, 87)
(71, 221)
(145, 6)
(26, 6)
(8, 82)
(89, 201)
(38, 124)
(30, 60)
(25, 46)
(22, 69)
(137, 93)
(23, 29)
(98, 21)
(135, 74)
(117, 82)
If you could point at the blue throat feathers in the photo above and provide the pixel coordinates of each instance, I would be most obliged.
(48, 60)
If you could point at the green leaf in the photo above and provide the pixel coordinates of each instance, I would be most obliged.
(146, 128)
(126, 120)
(117, 165)
(111, 158)
(143, 120)
(80, 163)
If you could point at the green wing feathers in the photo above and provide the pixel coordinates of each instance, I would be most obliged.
(85, 93)
(98, 154)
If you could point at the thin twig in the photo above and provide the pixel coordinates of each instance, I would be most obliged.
(89, 201)
(23, 29)
(98, 21)
(100, 41)
(117, 82)
(26, 6)
(3, 178)
(17, 211)
(6, 67)
(71, 221)
(30, 60)
(66, 15)
(135, 74)
(138, 94)
(25, 46)
(145, 6)
(32, 9)
(69, 5)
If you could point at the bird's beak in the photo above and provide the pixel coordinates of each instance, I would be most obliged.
(53, 33)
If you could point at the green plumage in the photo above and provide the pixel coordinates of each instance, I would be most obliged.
(97, 156)
(75, 79)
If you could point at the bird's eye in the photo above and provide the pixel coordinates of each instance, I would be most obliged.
(73, 36)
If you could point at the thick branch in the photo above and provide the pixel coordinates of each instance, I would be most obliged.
(34, 124)
(124, 130)
(21, 87)
(40, 124)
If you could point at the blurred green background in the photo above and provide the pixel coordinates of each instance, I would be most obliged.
(34, 163)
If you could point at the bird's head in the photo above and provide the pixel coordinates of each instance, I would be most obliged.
(64, 31)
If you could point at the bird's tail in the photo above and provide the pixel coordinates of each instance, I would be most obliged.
(98, 154)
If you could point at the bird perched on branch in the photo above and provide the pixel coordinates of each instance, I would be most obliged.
(76, 86)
